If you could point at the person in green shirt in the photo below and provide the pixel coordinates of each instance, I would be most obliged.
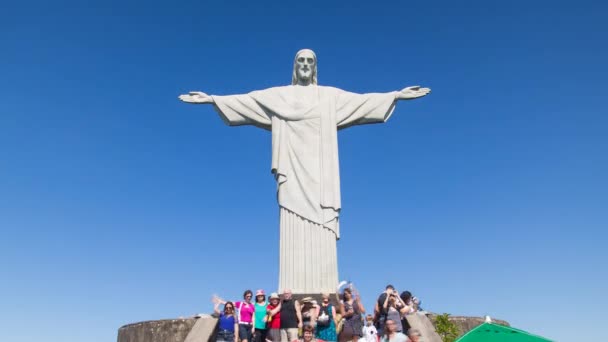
(259, 317)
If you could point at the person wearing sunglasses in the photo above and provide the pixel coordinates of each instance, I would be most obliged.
(227, 325)
(326, 320)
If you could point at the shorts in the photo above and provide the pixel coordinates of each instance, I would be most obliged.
(224, 336)
(260, 335)
(289, 334)
(380, 325)
(274, 335)
(245, 332)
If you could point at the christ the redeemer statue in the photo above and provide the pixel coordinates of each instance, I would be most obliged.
(304, 119)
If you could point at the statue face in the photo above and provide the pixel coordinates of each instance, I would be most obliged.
(304, 65)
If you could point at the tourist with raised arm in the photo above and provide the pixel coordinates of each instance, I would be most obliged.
(351, 309)
(227, 322)
(395, 308)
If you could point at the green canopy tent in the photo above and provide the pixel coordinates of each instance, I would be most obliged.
(490, 332)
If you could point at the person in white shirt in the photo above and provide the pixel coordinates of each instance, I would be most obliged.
(370, 334)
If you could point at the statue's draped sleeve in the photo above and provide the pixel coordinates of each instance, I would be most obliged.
(237, 110)
(359, 109)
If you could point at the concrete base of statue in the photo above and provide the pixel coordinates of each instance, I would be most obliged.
(333, 298)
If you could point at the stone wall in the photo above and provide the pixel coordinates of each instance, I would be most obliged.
(169, 330)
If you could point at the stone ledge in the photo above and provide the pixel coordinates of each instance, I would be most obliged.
(164, 330)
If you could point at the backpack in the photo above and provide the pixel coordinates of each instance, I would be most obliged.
(324, 318)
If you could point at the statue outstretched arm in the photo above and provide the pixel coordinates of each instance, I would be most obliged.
(235, 110)
(413, 92)
(196, 97)
(358, 109)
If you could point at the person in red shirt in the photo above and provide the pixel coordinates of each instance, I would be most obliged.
(273, 318)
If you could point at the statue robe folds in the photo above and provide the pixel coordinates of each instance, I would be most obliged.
(305, 165)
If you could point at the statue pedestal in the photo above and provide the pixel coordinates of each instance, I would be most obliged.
(317, 296)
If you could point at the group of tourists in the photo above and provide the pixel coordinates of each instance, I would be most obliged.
(285, 319)
(390, 316)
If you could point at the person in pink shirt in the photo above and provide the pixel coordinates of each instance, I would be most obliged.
(245, 317)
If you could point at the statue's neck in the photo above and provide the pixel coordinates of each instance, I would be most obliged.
(304, 83)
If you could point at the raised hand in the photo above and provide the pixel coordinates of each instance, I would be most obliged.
(196, 97)
(217, 300)
(413, 93)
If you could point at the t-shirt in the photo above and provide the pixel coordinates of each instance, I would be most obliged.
(380, 303)
(275, 323)
(245, 311)
(370, 334)
(397, 337)
(394, 315)
(288, 313)
(227, 322)
(260, 313)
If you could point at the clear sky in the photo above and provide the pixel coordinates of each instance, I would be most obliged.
(119, 204)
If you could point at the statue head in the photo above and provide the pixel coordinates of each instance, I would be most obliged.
(304, 68)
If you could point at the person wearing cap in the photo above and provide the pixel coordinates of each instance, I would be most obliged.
(391, 334)
(414, 335)
(245, 317)
(273, 318)
(259, 317)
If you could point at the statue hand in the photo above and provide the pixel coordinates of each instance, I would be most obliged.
(412, 93)
(196, 97)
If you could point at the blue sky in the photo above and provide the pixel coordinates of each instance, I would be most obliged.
(119, 204)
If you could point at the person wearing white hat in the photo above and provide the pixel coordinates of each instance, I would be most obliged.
(309, 311)
(273, 318)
